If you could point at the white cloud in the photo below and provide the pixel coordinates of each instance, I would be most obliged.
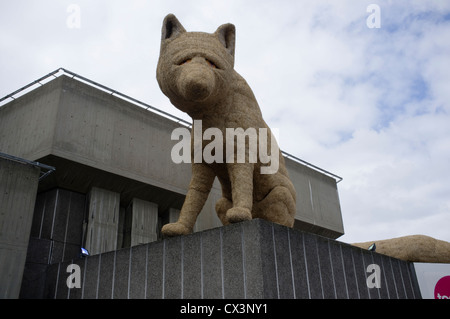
(371, 105)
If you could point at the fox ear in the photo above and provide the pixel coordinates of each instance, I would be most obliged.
(227, 36)
(171, 27)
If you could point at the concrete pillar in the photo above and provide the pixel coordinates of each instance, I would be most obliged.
(121, 230)
(103, 221)
(141, 223)
(56, 236)
(168, 216)
(173, 215)
(18, 188)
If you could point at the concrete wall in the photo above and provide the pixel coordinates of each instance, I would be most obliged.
(18, 187)
(254, 259)
(56, 236)
(318, 204)
(27, 125)
(141, 223)
(64, 221)
(103, 131)
(103, 221)
(71, 122)
(58, 217)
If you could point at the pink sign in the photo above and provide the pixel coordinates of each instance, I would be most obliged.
(442, 288)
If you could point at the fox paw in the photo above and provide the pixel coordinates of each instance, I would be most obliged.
(238, 214)
(175, 229)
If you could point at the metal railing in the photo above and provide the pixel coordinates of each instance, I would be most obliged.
(316, 168)
(45, 169)
(62, 71)
(22, 90)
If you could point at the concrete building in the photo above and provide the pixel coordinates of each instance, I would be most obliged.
(18, 187)
(114, 183)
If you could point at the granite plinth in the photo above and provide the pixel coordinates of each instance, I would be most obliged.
(254, 259)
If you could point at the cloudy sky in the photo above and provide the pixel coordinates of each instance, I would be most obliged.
(368, 103)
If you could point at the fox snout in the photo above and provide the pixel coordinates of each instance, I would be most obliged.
(196, 81)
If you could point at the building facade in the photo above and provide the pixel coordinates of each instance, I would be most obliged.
(114, 184)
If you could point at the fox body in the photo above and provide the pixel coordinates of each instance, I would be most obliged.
(196, 72)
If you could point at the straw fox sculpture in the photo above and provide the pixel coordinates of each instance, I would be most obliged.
(196, 72)
(413, 248)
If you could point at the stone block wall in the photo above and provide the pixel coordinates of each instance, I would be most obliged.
(254, 259)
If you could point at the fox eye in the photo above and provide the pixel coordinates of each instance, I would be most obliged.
(185, 61)
(211, 64)
(208, 61)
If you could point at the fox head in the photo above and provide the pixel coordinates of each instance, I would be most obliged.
(195, 68)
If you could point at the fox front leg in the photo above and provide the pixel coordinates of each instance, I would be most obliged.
(199, 188)
(241, 178)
